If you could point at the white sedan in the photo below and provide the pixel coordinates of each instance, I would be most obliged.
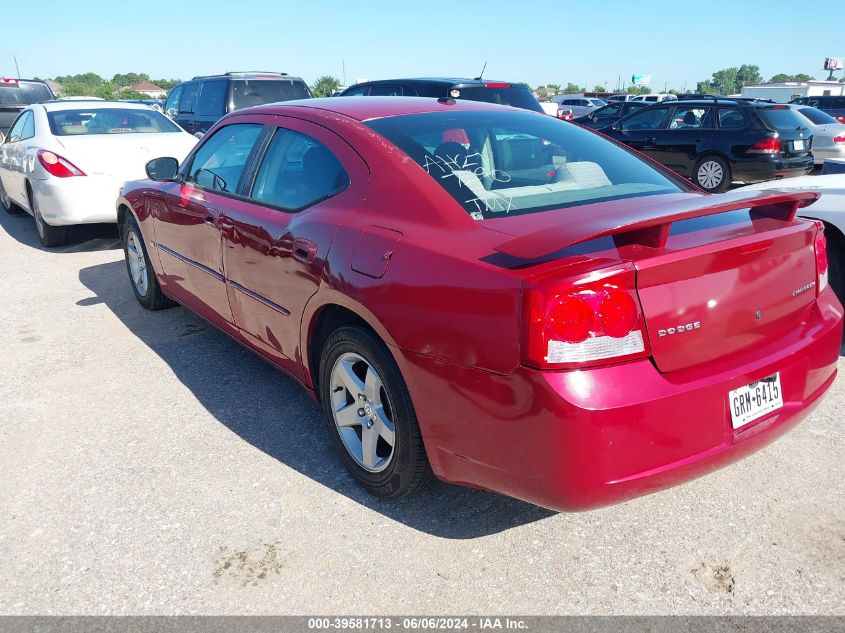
(828, 133)
(830, 209)
(64, 162)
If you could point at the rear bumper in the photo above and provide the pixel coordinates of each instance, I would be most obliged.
(574, 440)
(77, 200)
(758, 169)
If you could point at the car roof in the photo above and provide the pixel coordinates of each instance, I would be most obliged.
(57, 106)
(253, 74)
(451, 81)
(365, 108)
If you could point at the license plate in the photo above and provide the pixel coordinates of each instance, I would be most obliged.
(798, 146)
(753, 401)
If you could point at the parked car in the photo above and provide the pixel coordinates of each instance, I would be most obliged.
(833, 105)
(15, 95)
(828, 133)
(509, 311)
(655, 98)
(197, 104)
(716, 141)
(830, 209)
(620, 97)
(63, 162)
(580, 106)
(556, 110)
(607, 115)
(518, 95)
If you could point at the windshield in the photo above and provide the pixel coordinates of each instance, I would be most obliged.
(108, 121)
(518, 96)
(253, 92)
(816, 116)
(509, 163)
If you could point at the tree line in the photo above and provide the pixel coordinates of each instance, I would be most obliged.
(93, 85)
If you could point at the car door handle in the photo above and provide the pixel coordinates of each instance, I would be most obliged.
(304, 250)
(211, 216)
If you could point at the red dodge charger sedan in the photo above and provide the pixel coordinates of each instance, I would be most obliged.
(492, 296)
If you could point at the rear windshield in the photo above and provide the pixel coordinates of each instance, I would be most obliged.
(83, 122)
(253, 92)
(782, 118)
(24, 93)
(509, 163)
(817, 116)
(518, 96)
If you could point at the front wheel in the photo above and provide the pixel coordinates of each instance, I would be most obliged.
(141, 274)
(369, 415)
(712, 173)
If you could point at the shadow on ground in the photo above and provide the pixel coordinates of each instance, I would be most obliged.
(80, 238)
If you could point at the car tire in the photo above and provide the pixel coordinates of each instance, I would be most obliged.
(7, 204)
(712, 173)
(50, 235)
(142, 276)
(366, 404)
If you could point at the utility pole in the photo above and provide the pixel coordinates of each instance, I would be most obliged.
(344, 71)
(16, 66)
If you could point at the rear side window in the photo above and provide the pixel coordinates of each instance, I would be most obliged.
(189, 97)
(731, 119)
(782, 118)
(297, 171)
(212, 98)
(691, 117)
(510, 163)
(360, 91)
(386, 91)
(253, 92)
(518, 96)
(219, 164)
(839, 103)
(35, 92)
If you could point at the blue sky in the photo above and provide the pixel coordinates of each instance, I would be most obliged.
(538, 42)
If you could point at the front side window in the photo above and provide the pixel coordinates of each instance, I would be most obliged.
(609, 112)
(385, 91)
(508, 163)
(219, 164)
(647, 119)
(79, 122)
(691, 117)
(212, 98)
(297, 171)
(28, 130)
(171, 106)
(189, 97)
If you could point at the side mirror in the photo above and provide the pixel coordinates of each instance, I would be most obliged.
(162, 169)
(616, 127)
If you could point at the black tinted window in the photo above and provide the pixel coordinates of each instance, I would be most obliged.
(782, 118)
(816, 116)
(220, 162)
(731, 119)
(212, 99)
(297, 171)
(360, 91)
(189, 97)
(35, 92)
(648, 119)
(385, 91)
(253, 92)
(839, 103)
(518, 96)
(171, 106)
(507, 163)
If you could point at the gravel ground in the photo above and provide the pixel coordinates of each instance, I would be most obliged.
(152, 466)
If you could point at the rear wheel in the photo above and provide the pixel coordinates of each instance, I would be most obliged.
(6, 202)
(369, 415)
(141, 274)
(50, 235)
(712, 173)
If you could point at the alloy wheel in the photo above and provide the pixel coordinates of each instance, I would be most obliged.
(137, 262)
(362, 412)
(710, 174)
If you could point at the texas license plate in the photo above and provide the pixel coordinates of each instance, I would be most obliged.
(798, 146)
(753, 401)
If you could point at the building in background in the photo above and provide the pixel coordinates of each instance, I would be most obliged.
(151, 90)
(784, 91)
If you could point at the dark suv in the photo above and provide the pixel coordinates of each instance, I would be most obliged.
(16, 94)
(518, 95)
(716, 141)
(834, 106)
(196, 105)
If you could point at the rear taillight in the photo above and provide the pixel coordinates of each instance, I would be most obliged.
(58, 166)
(565, 114)
(839, 140)
(821, 256)
(5, 80)
(590, 321)
(841, 119)
(766, 146)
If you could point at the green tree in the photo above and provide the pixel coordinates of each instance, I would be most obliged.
(571, 88)
(747, 75)
(731, 80)
(129, 79)
(783, 77)
(599, 88)
(166, 84)
(638, 90)
(555, 88)
(325, 86)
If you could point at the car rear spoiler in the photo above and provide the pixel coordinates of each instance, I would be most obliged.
(649, 225)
